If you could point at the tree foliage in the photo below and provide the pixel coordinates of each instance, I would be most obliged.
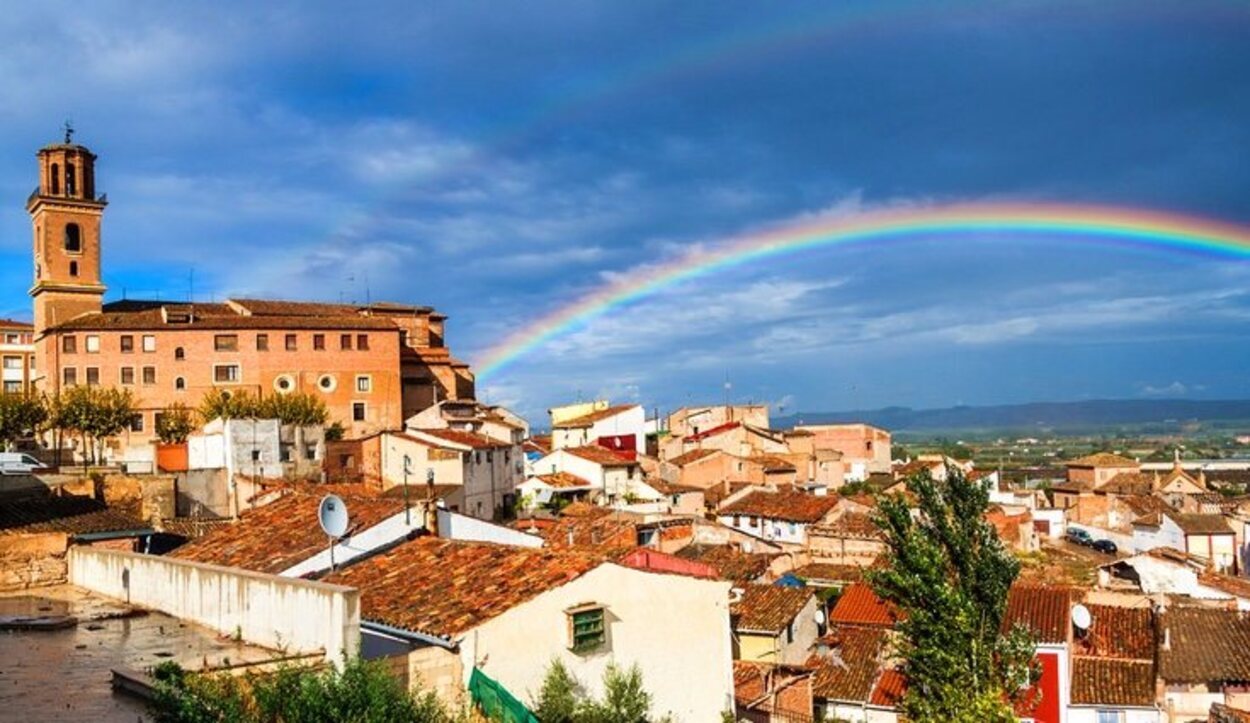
(20, 416)
(175, 424)
(563, 700)
(94, 413)
(949, 575)
(362, 692)
(297, 408)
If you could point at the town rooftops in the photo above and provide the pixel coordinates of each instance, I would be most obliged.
(73, 515)
(1042, 609)
(136, 315)
(12, 324)
(563, 480)
(1103, 459)
(713, 431)
(768, 608)
(472, 440)
(859, 605)
(729, 561)
(851, 671)
(285, 532)
(1130, 483)
(444, 588)
(1203, 645)
(693, 455)
(601, 456)
(589, 419)
(1190, 524)
(1113, 682)
(787, 505)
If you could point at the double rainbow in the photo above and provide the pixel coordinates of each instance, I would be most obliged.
(1094, 224)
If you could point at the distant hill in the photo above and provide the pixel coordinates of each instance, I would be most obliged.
(1071, 417)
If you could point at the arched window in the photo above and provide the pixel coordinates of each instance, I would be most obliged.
(71, 181)
(55, 186)
(180, 384)
(73, 238)
(179, 354)
(73, 268)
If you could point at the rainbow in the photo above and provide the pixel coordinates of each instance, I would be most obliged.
(1097, 224)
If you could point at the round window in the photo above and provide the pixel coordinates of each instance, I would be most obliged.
(283, 383)
(327, 383)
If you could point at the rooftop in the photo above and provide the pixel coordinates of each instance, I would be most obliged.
(729, 561)
(859, 605)
(136, 315)
(851, 670)
(563, 480)
(693, 455)
(283, 533)
(1118, 632)
(1107, 681)
(473, 440)
(591, 418)
(1042, 609)
(1201, 645)
(70, 514)
(768, 608)
(1103, 459)
(445, 588)
(601, 456)
(789, 505)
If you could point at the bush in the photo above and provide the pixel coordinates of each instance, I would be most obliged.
(175, 424)
(298, 408)
(562, 700)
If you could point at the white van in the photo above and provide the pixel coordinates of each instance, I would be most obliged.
(18, 463)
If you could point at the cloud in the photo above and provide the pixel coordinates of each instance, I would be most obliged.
(1175, 389)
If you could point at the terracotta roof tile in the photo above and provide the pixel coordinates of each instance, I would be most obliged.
(824, 571)
(283, 533)
(601, 456)
(591, 418)
(859, 605)
(446, 588)
(1103, 459)
(12, 324)
(713, 431)
(789, 505)
(768, 608)
(729, 561)
(73, 515)
(858, 525)
(1043, 609)
(563, 480)
(693, 455)
(467, 439)
(1129, 483)
(148, 316)
(849, 673)
(1118, 632)
(1112, 682)
(1194, 524)
(890, 688)
(1200, 645)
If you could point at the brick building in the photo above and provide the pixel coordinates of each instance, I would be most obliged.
(374, 364)
(17, 350)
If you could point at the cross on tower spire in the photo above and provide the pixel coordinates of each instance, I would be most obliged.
(69, 132)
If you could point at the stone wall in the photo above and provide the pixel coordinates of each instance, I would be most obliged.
(30, 561)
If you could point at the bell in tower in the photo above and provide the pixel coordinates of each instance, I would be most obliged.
(65, 215)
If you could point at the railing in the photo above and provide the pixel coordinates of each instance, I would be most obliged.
(102, 198)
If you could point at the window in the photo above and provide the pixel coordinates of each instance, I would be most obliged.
(226, 342)
(73, 238)
(284, 383)
(180, 384)
(753, 521)
(345, 342)
(73, 268)
(586, 628)
(93, 376)
(362, 342)
(358, 411)
(10, 338)
(71, 180)
(1110, 716)
(69, 376)
(319, 342)
(136, 423)
(364, 384)
(149, 342)
(69, 344)
(262, 342)
(180, 354)
(290, 342)
(327, 383)
(127, 342)
(93, 344)
(12, 387)
(790, 633)
(149, 375)
(128, 375)
(56, 179)
(12, 362)
(225, 373)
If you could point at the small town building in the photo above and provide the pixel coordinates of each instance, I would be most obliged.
(774, 623)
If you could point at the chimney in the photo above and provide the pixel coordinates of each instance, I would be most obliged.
(1167, 639)
(431, 518)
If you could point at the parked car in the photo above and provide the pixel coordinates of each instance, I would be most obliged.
(1078, 536)
(1106, 546)
(17, 463)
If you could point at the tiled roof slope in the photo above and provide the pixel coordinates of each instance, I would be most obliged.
(1103, 459)
(859, 605)
(561, 480)
(729, 561)
(693, 455)
(12, 324)
(445, 588)
(283, 533)
(768, 608)
(1199, 645)
(467, 439)
(789, 505)
(1043, 609)
(601, 456)
(148, 316)
(1118, 632)
(1108, 681)
(590, 418)
(852, 671)
(72, 515)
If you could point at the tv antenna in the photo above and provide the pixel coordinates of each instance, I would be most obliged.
(332, 514)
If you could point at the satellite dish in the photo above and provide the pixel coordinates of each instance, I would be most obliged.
(1081, 617)
(333, 516)
(820, 616)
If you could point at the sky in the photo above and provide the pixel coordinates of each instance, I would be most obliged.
(500, 160)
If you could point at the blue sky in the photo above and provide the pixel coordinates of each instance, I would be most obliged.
(497, 160)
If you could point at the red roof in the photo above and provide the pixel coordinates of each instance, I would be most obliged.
(590, 418)
(1043, 609)
(654, 561)
(890, 689)
(601, 456)
(786, 504)
(468, 439)
(713, 431)
(859, 605)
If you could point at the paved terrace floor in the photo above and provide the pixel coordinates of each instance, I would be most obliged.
(63, 675)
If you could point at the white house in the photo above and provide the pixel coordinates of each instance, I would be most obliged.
(1206, 536)
(779, 516)
(486, 471)
(492, 616)
(616, 477)
(468, 415)
(621, 428)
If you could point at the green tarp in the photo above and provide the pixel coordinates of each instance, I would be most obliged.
(496, 702)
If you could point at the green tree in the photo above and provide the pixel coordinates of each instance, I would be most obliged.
(175, 424)
(563, 700)
(558, 699)
(949, 575)
(20, 416)
(362, 692)
(298, 408)
(219, 403)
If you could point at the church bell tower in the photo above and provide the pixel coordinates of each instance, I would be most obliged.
(65, 214)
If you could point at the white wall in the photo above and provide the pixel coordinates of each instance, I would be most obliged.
(774, 530)
(490, 475)
(453, 526)
(384, 533)
(1167, 535)
(676, 628)
(267, 610)
(1131, 715)
(631, 421)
